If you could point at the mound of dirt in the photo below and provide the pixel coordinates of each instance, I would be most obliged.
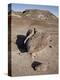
(37, 41)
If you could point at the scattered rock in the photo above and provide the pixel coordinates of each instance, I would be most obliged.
(50, 46)
(50, 40)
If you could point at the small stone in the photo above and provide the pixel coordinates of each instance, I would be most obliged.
(50, 46)
(50, 40)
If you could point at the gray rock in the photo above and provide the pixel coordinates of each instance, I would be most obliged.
(36, 42)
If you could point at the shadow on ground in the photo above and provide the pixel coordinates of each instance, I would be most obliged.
(20, 43)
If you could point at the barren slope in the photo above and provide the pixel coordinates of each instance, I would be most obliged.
(42, 21)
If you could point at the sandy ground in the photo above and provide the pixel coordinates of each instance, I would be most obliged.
(21, 63)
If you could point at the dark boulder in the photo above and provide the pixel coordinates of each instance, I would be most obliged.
(35, 64)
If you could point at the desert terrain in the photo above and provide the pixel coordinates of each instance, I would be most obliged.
(44, 21)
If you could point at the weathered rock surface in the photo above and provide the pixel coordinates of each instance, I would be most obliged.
(37, 41)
